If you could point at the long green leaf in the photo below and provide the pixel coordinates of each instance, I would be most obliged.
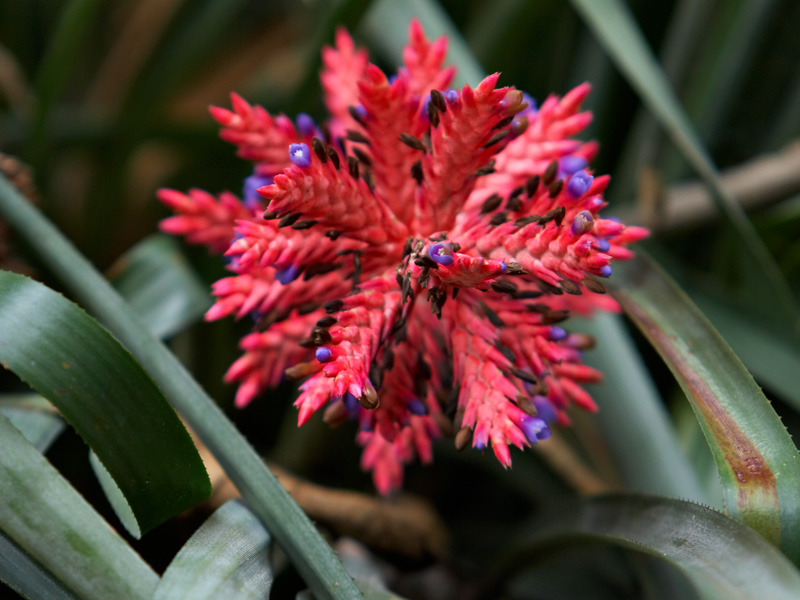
(47, 519)
(721, 558)
(34, 416)
(758, 464)
(632, 416)
(227, 557)
(26, 576)
(158, 284)
(614, 26)
(66, 356)
(312, 556)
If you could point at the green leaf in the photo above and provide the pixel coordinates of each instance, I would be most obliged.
(227, 557)
(721, 558)
(34, 416)
(42, 514)
(612, 23)
(158, 284)
(758, 464)
(290, 526)
(632, 416)
(66, 356)
(26, 576)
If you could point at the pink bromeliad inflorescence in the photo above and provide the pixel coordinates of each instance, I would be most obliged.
(412, 258)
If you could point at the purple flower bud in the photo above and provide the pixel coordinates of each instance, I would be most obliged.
(323, 354)
(535, 429)
(252, 199)
(582, 223)
(306, 125)
(287, 274)
(441, 253)
(300, 155)
(417, 407)
(570, 164)
(557, 333)
(578, 184)
(602, 245)
(605, 271)
(545, 408)
(532, 106)
(451, 95)
(350, 401)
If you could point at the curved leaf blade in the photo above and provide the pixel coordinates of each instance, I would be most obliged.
(26, 576)
(615, 28)
(723, 559)
(35, 417)
(758, 464)
(157, 282)
(42, 514)
(310, 553)
(66, 356)
(227, 557)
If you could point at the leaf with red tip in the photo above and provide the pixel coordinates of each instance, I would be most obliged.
(758, 464)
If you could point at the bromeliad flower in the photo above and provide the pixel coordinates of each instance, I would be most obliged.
(412, 259)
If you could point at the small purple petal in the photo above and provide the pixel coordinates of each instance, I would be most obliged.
(323, 354)
(602, 245)
(532, 106)
(545, 409)
(252, 199)
(582, 223)
(606, 271)
(535, 429)
(300, 155)
(441, 253)
(350, 401)
(451, 95)
(306, 125)
(578, 184)
(571, 164)
(287, 274)
(417, 407)
(557, 333)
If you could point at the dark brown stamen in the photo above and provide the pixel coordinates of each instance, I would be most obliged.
(408, 247)
(270, 214)
(570, 287)
(532, 185)
(528, 294)
(433, 114)
(498, 219)
(333, 306)
(491, 203)
(497, 137)
(524, 375)
(462, 438)
(334, 156)
(503, 287)
(438, 101)
(505, 351)
(320, 149)
(362, 156)
(555, 316)
(357, 136)
(333, 234)
(555, 188)
(486, 169)
(352, 166)
(305, 224)
(416, 172)
(327, 321)
(514, 268)
(503, 123)
(307, 307)
(593, 285)
(494, 319)
(514, 204)
(358, 118)
(550, 173)
(289, 219)
(549, 288)
(412, 142)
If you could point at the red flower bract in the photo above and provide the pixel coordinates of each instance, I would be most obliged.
(413, 266)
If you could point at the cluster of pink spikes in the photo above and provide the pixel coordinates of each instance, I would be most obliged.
(411, 258)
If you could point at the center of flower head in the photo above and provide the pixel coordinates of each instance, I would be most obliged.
(413, 258)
